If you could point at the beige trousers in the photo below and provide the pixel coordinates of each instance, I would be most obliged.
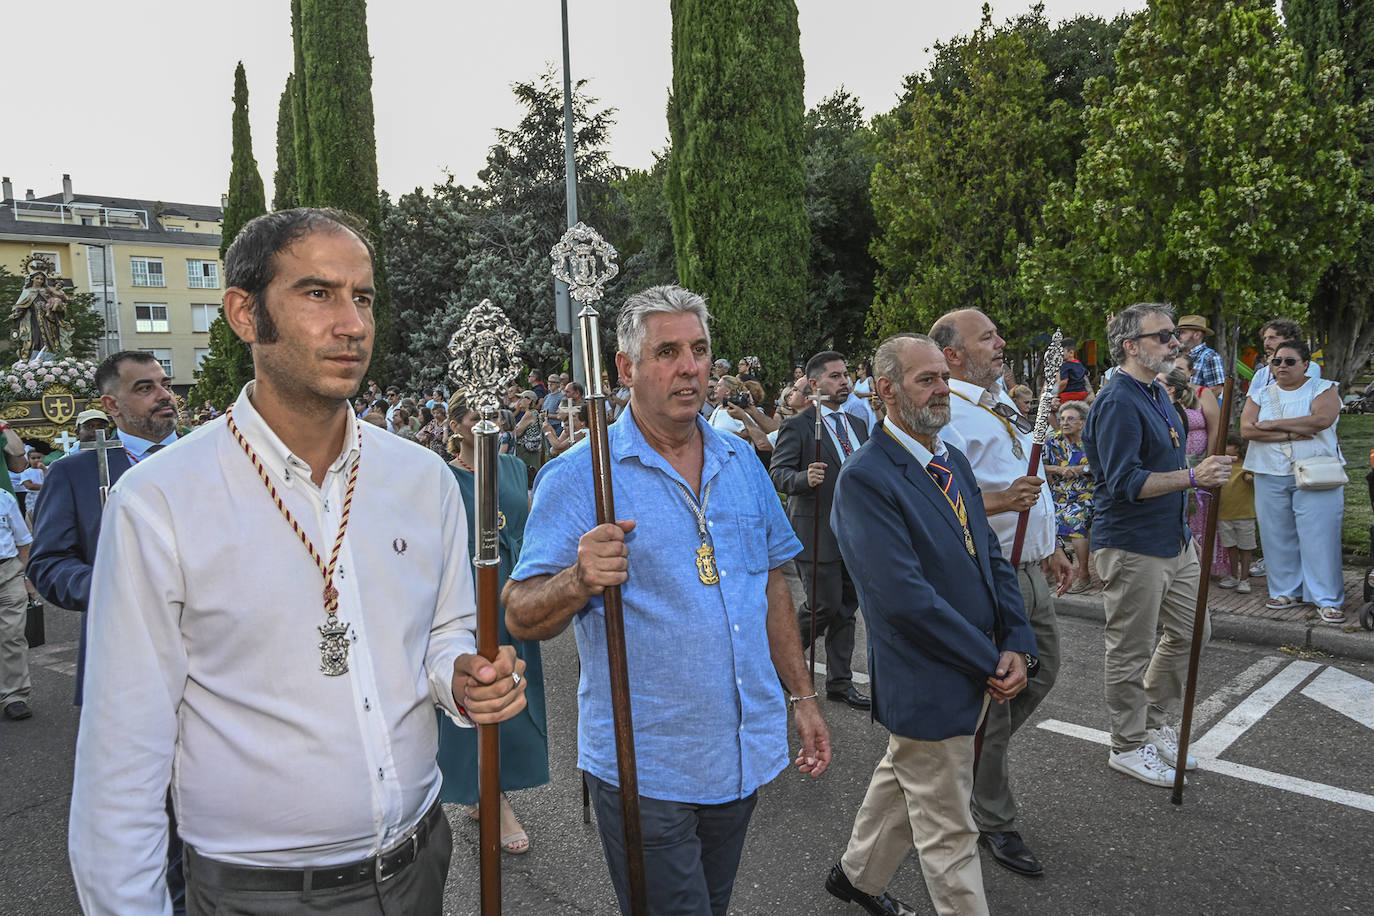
(1144, 681)
(919, 796)
(14, 648)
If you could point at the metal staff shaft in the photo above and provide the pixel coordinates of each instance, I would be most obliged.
(815, 544)
(1209, 542)
(486, 561)
(615, 622)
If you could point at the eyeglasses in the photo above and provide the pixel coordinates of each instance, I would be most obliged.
(1162, 336)
(1283, 361)
(1010, 414)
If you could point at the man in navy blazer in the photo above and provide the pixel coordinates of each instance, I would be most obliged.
(947, 634)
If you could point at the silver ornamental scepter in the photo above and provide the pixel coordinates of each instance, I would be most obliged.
(586, 262)
(1054, 359)
(485, 351)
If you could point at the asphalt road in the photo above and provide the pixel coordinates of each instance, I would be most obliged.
(1279, 820)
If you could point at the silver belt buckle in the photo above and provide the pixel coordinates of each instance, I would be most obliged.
(413, 841)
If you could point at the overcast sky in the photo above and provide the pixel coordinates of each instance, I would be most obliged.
(134, 98)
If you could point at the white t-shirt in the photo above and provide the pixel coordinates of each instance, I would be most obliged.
(1277, 457)
(722, 421)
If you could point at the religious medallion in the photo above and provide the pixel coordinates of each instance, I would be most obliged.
(706, 565)
(334, 646)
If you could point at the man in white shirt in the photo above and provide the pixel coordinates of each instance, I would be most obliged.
(15, 685)
(1272, 334)
(987, 428)
(302, 768)
(810, 487)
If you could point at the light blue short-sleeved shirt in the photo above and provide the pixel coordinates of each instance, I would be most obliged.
(709, 715)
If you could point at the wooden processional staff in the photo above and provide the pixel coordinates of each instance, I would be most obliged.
(586, 263)
(485, 351)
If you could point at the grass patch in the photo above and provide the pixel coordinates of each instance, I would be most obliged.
(1356, 435)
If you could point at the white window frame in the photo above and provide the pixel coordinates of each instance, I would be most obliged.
(209, 310)
(197, 277)
(137, 261)
(164, 357)
(200, 353)
(149, 325)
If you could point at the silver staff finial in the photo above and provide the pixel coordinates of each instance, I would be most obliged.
(486, 356)
(585, 261)
(1054, 359)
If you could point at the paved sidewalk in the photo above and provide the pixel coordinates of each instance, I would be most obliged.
(1244, 618)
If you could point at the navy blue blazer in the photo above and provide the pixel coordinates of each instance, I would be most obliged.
(937, 619)
(66, 525)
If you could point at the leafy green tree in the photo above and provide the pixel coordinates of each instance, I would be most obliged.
(959, 188)
(458, 246)
(340, 133)
(229, 363)
(646, 250)
(1209, 177)
(300, 123)
(839, 162)
(285, 194)
(1342, 308)
(736, 185)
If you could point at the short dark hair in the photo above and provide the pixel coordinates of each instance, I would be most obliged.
(1303, 350)
(818, 362)
(1288, 328)
(107, 373)
(250, 264)
(1235, 438)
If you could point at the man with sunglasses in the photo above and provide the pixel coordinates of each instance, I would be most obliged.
(1141, 543)
(992, 434)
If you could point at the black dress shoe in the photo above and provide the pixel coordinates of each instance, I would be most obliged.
(18, 710)
(850, 697)
(1010, 852)
(884, 904)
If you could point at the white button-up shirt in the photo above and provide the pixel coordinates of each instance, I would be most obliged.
(204, 664)
(829, 419)
(986, 440)
(14, 533)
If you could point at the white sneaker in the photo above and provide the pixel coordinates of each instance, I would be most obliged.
(1165, 740)
(1228, 582)
(1257, 567)
(1243, 586)
(1144, 764)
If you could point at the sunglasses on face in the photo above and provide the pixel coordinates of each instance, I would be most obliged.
(1278, 361)
(1008, 413)
(1162, 336)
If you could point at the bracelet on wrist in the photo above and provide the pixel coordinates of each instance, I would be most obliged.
(793, 701)
(1192, 481)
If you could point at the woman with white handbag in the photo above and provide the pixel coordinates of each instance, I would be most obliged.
(1299, 482)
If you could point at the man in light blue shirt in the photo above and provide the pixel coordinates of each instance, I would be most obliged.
(709, 621)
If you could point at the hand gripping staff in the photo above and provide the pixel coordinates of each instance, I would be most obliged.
(484, 350)
(586, 262)
(1209, 543)
(1054, 358)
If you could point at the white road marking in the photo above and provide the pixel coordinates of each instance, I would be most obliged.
(859, 676)
(1250, 710)
(1211, 709)
(1350, 799)
(55, 656)
(1345, 693)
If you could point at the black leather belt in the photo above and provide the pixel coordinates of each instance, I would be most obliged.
(378, 868)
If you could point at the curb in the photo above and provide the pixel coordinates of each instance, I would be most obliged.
(1257, 631)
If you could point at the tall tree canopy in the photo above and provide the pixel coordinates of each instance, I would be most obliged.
(1209, 177)
(229, 364)
(285, 194)
(736, 185)
(1342, 309)
(339, 132)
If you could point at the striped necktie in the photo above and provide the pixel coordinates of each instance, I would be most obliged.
(838, 422)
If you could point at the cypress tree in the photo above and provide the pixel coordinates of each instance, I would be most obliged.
(736, 184)
(299, 121)
(229, 363)
(337, 72)
(284, 192)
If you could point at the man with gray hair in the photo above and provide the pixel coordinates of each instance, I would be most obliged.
(1141, 542)
(709, 625)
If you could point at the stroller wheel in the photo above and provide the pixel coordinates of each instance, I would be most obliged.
(1367, 616)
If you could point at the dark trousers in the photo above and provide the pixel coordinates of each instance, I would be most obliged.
(176, 877)
(836, 602)
(417, 890)
(691, 852)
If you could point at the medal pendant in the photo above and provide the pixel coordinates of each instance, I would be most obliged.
(1173, 434)
(1017, 450)
(968, 544)
(334, 646)
(706, 565)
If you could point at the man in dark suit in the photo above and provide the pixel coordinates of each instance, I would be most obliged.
(134, 390)
(810, 486)
(947, 634)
